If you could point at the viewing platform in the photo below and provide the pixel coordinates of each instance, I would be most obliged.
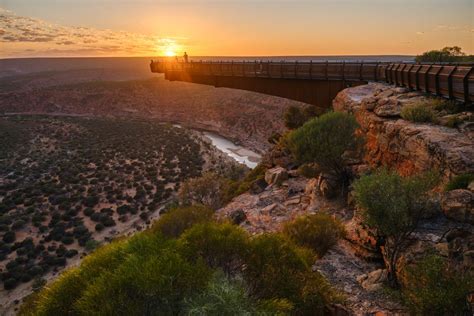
(318, 82)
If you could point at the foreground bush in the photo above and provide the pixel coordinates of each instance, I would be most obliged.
(177, 220)
(393, 205)
(323, 140)
(318, 231)
(432, 287)
(222, 246)
(420, 112)
(460, 182)
(144, 285)
(149, 274)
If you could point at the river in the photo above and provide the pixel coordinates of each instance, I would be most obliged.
(239, 153)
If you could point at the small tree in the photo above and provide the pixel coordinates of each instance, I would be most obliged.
(324, 140)
(394, 206)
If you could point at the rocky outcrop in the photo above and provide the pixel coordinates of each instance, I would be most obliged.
(407, 146)
(459, 205)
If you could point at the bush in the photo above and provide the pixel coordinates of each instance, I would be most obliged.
(393, 205)
(318, 231)
(272, 263)
(144, 285)
(223, 246)
(206, 190)
(420, 112)
(177, 220)
(432, 287)
(323, 140)
(221, 297)
(460, 182)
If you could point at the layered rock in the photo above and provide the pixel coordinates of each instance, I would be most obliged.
(407, 146)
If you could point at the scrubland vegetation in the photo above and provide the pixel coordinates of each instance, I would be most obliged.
(65, 180)
(205, 268)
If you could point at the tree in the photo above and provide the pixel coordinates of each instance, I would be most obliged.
(324, 140)
(447, 54)
(393, 205)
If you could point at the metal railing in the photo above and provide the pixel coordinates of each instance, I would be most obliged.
(453, 81)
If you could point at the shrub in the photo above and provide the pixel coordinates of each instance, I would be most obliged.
(318, 231)
(221, 297)
(206, 190)
(323, 140)
(272, 263)
(177, 220)
(144, 285)
(223, 246)
(9, 237)
(393, 205)
(432, 287)
(419, 112)
(460, 182)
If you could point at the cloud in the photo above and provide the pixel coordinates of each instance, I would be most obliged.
(46, 38)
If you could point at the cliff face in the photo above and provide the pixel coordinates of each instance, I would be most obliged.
(409, 147)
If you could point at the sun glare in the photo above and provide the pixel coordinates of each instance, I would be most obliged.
(170, 53)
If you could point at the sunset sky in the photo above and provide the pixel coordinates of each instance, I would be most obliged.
(232, 27)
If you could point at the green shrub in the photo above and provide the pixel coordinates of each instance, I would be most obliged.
(272, 263)
(432, 287)
(221, 297)
(449, 106)
(393, 205)
(419, 112)
(177, 220)
(318, 231)
(223, 246)
(146, 285)
(323, 140)
(460, 182)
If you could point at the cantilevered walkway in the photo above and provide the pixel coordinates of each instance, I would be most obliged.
(319, 82)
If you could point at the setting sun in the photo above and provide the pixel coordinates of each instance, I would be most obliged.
(170, 53)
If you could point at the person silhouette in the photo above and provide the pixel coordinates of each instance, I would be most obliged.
(185, 57)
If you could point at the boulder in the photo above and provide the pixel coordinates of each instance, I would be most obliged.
(276, 176)
(459, 205)
(374, 280)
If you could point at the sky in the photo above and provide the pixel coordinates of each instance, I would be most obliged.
(40, 28)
